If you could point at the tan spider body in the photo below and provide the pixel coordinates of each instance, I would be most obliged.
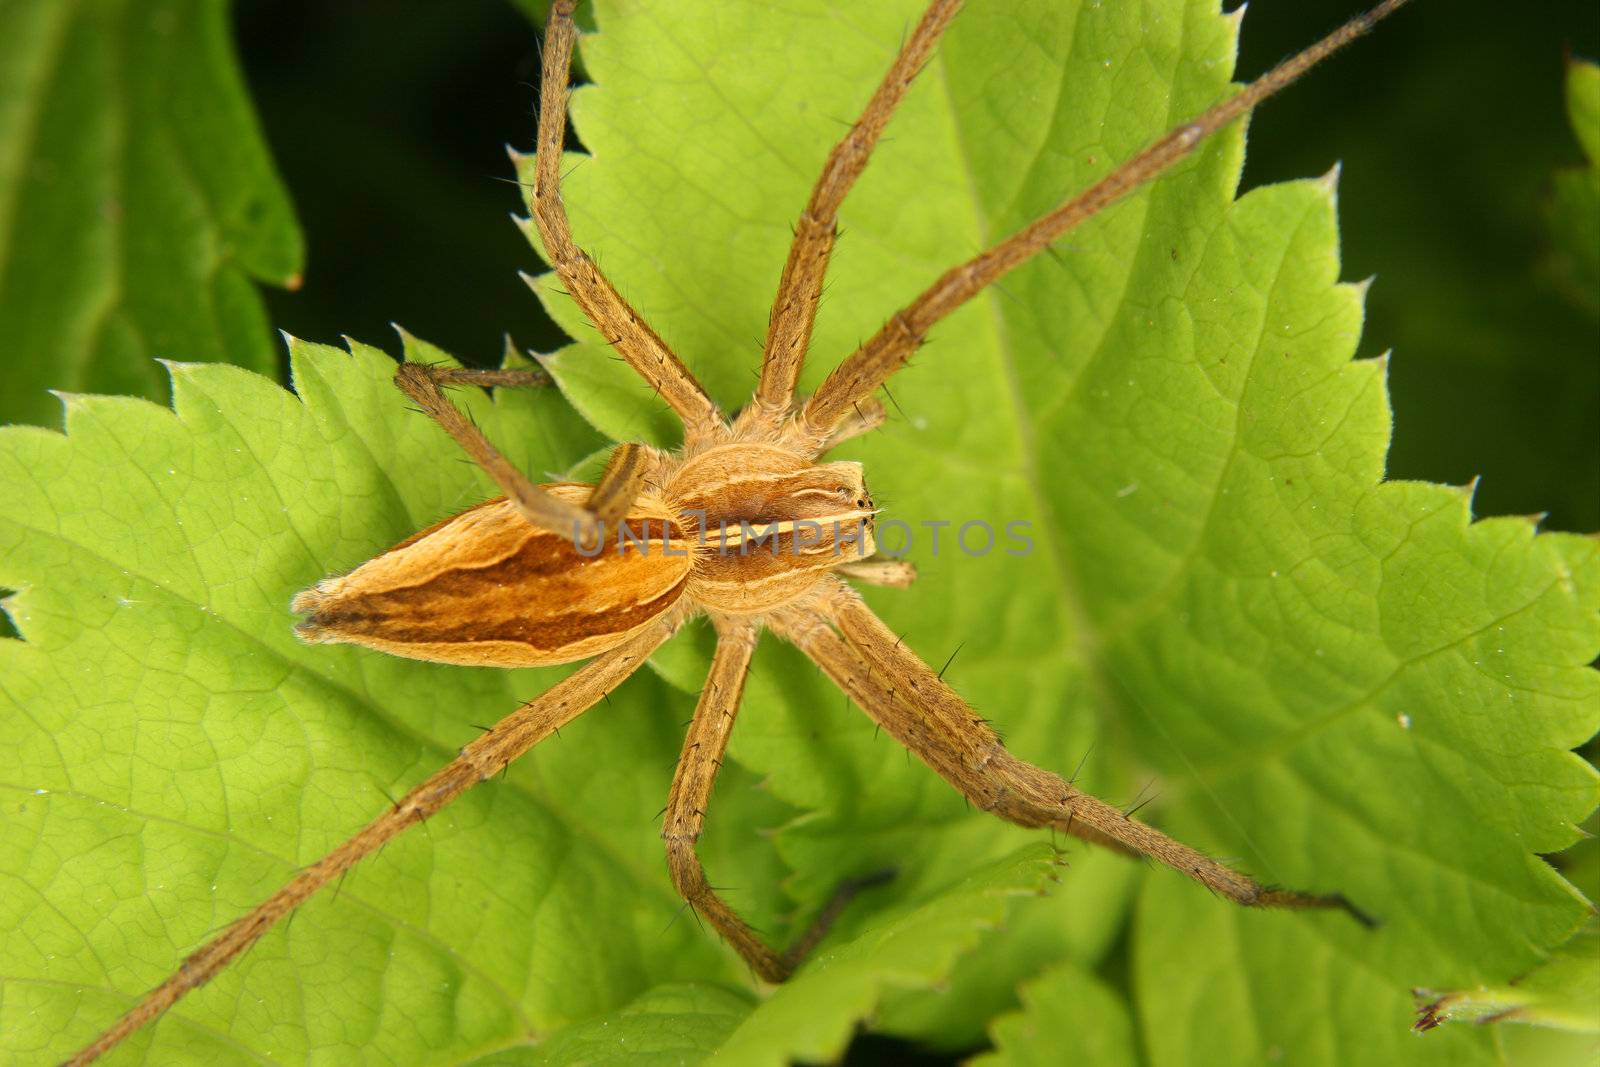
(739, 530)
(744, 523)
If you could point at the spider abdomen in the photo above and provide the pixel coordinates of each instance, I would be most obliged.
(486, 588)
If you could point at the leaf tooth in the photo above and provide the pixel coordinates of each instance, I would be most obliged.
(176, 367)
(90, 405)
(95, 408)
(290, 341)
(1330, 178)
(1467, 491)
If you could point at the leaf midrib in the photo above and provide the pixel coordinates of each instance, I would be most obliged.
(1081, 638)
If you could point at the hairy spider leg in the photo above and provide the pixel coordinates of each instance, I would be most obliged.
(613, 316)
(861, 373)
(794, 309)
(483, 758)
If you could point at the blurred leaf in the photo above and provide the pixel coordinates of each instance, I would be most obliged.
(809, 1019)
(1064, 1001)
(137, 201)
(1583, 106)
(391, 129)
(539, 10)
(536, 10)
(1563, 993)
(1575, 211)
(666, 1026)
(1444, 199)
(1081, 920)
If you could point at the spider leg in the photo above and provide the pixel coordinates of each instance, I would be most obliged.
(482, 758)
(794, 310)
(492, 378)
(861, 373)
(914, 705)
(893, 573)
(620, 483)
(703, 749)
(613, 316)
(864, 417)
(696, 773)
(945, 750)
(424, 384)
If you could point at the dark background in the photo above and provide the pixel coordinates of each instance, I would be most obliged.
(389, 123)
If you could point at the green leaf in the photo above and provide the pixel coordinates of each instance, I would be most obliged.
(1345, 684)
(1575, 212)
(177, 754)
(1079, 921)
(1064, 1000)
(1444, 202)
(667, 1025)
(138, 204)
(604, 391)
(1583, 106)
(1224, 1008)
(809, 1019)
(1561, 992)
(1222, 587)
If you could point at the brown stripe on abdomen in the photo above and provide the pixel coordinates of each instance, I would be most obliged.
(486, 587)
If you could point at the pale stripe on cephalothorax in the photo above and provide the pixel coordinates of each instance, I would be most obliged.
(736, 534)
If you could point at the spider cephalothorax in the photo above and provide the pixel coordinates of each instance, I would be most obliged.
(768, 524)
(744, 524)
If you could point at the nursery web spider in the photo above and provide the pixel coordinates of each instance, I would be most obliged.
(531, 579)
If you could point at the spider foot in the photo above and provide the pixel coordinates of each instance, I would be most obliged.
(847, 891)
(1288, 898)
